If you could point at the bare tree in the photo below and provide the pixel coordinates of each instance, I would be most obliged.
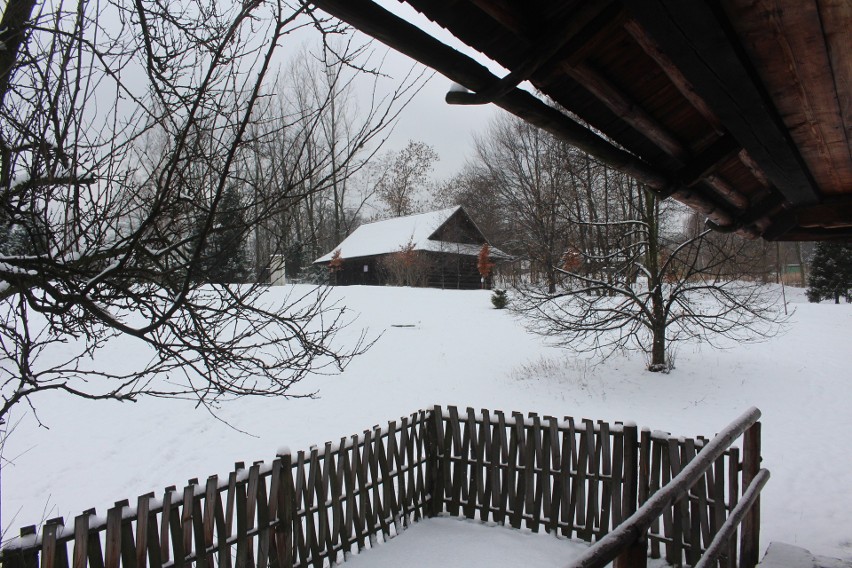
(530, 171)
(122, 127)
(319, 138)
(653, 285)
(403, 174)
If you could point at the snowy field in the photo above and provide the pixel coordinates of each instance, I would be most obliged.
(457, 350)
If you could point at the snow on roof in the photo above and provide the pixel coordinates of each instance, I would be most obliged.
(391, 235)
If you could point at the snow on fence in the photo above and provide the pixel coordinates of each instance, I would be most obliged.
(575, 478)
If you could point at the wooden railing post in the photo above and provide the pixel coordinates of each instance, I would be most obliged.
(750, 543)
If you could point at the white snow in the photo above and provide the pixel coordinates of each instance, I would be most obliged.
(464, 352)
(393, 235)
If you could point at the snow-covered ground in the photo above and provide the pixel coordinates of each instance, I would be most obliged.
(456, 349)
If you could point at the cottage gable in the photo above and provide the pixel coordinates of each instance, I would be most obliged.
(447, 243)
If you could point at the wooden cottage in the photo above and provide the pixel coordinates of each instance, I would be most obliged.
(438, 249)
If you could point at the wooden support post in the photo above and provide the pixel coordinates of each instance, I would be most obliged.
(750, 543)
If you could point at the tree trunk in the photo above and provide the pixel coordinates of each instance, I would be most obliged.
(655, 286)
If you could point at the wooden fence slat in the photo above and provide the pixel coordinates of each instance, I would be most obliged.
(750, 541)
(48, 546)
(606, 484)
(618, 475)
(733, 499)
(693, 504)
(458, 469)
(81, 541)
(379, 472)
(263, 521)
(112, 557)
(367, 515)
(142, 513)
(208, 520)
(541, 472)
(557, 476)
(528, 469)
(506, 467)
(186, 516)
(486, 467)
(472, 457)
(251, 510)
(517, 460)
(568, 481)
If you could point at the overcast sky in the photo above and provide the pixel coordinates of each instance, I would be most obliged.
(447, 128)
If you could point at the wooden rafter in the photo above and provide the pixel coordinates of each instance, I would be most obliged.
(699, 46)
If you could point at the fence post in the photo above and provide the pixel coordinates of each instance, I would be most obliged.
(434, 467)
(750, 543)
(636, 555)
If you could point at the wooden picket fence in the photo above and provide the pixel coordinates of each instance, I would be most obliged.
(575, 478)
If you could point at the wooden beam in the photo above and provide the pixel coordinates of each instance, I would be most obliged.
(727, 191)
(412, 41)
(555, 40)
(693, 35)
(506, 14)
(680, 82)
(707, 161)
(626, 109)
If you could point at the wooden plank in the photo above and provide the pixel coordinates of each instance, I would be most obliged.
(733, 498)
(143, 508)
(618, 475)
(308, 495)
(223, 551)
(568, 482)
(679, 510)
(321, 483)
(558, 476)
(81, 541)
(264, 537)
(477, 501)
(186, 516)
(750, 544)
(606, 472)
(378, 470)
(251, 510)
(208, 519)
(112, 558)
(534, 477)
(506, 477)
(593, 479)
(48, 546)
(468, 489)
(455, 452)
(578, 500)
(517, 459)
(697, 42)
(717, 507)
(692, 505)
(241, 511)
(368, 519)
(491, 457)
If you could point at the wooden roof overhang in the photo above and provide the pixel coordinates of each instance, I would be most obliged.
(741, 109)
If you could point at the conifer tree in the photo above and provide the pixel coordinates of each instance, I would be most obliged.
(831, 272)
(225, 260)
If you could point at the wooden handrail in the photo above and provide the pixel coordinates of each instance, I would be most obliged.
(635, 528)
(728, 529)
